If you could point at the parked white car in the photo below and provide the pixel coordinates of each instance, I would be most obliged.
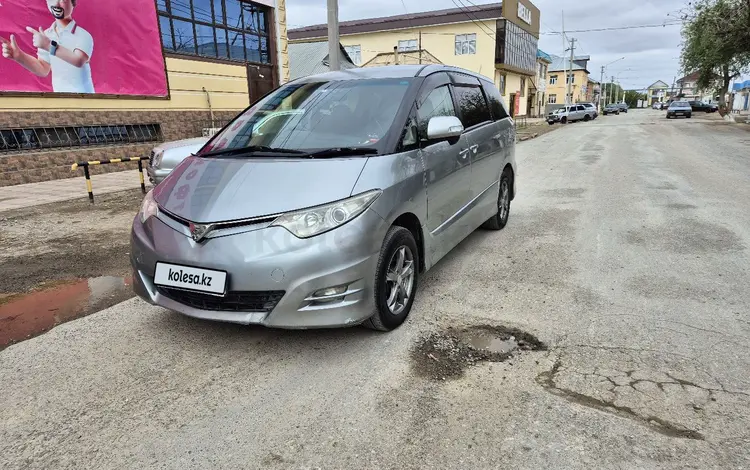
(571, 113)
(165, 157)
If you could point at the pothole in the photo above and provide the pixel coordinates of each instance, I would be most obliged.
(447, 354)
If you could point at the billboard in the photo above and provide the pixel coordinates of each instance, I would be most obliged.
(104, 47)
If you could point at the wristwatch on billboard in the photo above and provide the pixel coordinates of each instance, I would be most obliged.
(53, 48)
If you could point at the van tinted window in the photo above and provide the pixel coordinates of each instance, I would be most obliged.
(496, 102)
(473, 106)
(437, 103)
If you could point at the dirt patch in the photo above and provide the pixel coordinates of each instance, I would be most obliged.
(533, 131)
(447, 354)
(686, 236)
(56, 258)
(23, 316)
(66, 240)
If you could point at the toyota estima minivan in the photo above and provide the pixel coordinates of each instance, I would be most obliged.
(323, 203)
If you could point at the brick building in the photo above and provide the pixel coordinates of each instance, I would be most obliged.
(211, 77)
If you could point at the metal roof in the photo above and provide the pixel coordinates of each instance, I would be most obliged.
(414, 20)
(540, 54)
(560, 64)
(310, 58)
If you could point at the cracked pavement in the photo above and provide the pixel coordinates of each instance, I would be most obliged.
(627, 254)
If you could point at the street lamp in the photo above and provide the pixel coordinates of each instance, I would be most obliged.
(601, 81)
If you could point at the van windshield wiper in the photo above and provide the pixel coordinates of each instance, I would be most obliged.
(245, 151)
(342, 151)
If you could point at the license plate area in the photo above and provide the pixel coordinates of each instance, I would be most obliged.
(190, 278)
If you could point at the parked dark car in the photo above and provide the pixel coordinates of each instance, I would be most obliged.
(700, 106)
(623, 107)
(611, 109)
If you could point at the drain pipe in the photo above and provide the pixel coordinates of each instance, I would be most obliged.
(210, 109)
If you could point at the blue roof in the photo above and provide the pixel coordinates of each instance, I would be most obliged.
(741, 86)
(540, 54)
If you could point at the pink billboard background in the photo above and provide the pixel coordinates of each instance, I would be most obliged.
(127, 57)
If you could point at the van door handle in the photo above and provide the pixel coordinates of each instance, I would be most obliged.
(474, 148)
(463, 154)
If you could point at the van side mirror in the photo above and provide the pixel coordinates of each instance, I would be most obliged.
(444, 127)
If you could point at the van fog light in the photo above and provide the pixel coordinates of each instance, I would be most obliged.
(328, 295)
(329, 291)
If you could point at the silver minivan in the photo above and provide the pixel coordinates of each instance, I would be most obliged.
(323, 203)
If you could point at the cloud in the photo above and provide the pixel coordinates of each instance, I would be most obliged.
(650, 54)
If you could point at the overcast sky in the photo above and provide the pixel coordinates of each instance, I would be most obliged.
(650, 53)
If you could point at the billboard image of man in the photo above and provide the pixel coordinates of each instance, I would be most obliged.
(63, 50)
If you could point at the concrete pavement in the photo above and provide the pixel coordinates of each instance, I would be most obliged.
(34, 194)
(626, 253)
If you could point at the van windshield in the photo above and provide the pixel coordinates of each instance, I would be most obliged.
(317, 115)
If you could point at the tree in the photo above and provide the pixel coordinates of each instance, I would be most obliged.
(632, 97)
(716, 43)
(612, 93)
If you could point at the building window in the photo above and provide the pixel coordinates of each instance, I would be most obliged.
(571, 78)
(355, 53)
(502, 84)
(226, 29)
(523, 86)
(552, 99)
(38, 138)
(407, 45)
(466, 44)
(515, 47)
(553, 79)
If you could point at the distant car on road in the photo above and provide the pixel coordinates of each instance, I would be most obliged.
(168, 155)
(592, 108)
(679, 108)
(658, 105)
(623, 107)
(611, 109)
(700, 106)
(570, 113)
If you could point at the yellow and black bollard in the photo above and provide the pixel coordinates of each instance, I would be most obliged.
(87, 174)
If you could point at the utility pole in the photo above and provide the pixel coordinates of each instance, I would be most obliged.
(611, 87)
(565, 66)
(333, 35)
(420, 47)
(673, 82)
(568, 83)
(601, 87)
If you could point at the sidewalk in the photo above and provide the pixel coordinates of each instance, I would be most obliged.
(34, 194)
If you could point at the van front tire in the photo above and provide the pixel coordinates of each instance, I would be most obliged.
(396, 278)
(500, 220)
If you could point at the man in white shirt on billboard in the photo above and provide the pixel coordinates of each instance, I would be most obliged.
(64, 50)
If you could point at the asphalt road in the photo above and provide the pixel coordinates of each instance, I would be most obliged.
(627, 253)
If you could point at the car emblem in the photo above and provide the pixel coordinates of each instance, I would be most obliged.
(199, 231)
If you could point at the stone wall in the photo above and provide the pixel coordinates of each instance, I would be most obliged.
(45, 165)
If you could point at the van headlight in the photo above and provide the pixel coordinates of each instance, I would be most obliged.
(157, 159)
(316, 220)
(149, 207)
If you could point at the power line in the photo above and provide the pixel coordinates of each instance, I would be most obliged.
(614, 28)
(473, 18)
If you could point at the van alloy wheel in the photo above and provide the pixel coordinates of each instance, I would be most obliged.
(499, 220)
(400, 279)
(396, 279)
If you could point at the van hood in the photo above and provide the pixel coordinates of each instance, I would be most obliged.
(208, 190)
